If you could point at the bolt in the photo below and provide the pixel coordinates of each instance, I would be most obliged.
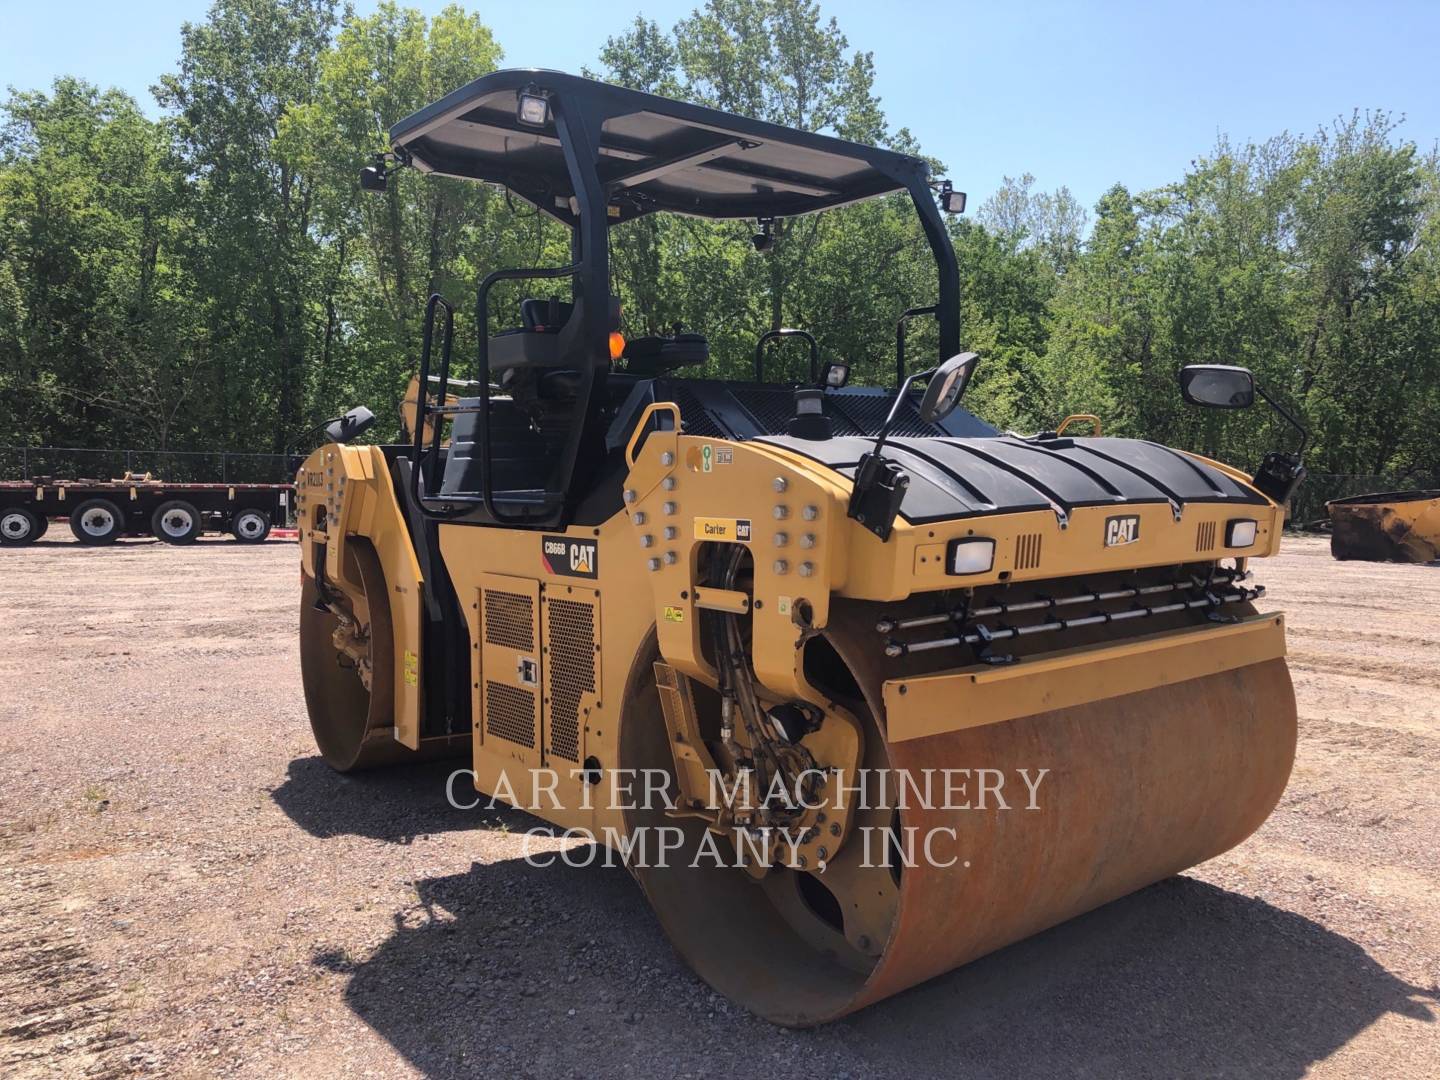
(671, 558)
(822, 854)
(671, 532)
(808, 540)
(669, 508)
(781, 483)
(781, 539)
(781, 566)
(630, 495)
(806, 569)
(810, 513)
(638, 517)
(835, 829)
(653, 564)
(667, 458)
(781, 512)
(668, 483)
(647, 541)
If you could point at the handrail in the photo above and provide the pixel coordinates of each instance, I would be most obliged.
(420, 486)
(784, 332)
(909, 314)
(1075, 418)
(655, 408)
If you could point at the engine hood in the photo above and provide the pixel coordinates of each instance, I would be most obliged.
(954, 478)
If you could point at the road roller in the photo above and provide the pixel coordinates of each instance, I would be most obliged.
(859, 687)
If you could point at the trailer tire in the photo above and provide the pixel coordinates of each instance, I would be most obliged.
(176, 522)
(19, 526)
(250, 526)
(96, 522)
(44, 523)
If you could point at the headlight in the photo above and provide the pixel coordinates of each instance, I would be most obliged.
(1239, 533)
(970, 555)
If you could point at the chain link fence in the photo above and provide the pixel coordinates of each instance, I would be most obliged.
(172, 466)
(222, 467)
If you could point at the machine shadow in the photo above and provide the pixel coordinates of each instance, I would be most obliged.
(1182, 978)
(394, 804)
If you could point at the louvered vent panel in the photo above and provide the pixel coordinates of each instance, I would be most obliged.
(1027, 551)
(569, 672)
(509, 620)
(510, 713)
(1205, 536)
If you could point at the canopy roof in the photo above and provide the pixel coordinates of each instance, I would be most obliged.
(653, 153)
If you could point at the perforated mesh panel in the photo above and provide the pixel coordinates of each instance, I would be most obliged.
(569, 672)
(510, 713)
(693, 416)
(509, 620)
(868, 412)
(773, 408)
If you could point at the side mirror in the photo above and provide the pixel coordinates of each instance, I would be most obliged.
(947, 387)
(353, 423)
(373, 178)
(1217, 386)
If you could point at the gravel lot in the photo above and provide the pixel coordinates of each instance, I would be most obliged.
(185, 890)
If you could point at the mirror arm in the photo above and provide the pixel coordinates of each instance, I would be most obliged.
(1289, 418)
(895, 408)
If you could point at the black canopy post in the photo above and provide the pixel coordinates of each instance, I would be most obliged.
(578, 123)
(947, 308)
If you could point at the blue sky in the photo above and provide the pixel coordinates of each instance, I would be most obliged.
(1082, 93)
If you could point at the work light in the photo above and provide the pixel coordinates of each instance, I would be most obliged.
(1239, 533)
(971, 555)
(951, 201)
(533, 108)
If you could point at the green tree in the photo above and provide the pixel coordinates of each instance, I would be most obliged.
(95, 312)
(256, 255)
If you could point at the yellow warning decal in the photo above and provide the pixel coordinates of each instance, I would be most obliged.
(737, 529)
(674, 614)
(412, 668)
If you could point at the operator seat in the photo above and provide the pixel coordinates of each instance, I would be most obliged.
(536, 367)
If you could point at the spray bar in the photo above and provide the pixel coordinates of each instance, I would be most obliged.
(1045, 603)
(982, 635)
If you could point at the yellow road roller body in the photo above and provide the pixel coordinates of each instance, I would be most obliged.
(860, 688)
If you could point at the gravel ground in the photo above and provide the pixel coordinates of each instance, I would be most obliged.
(185, 890)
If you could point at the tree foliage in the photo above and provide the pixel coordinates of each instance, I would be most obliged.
(214, 278)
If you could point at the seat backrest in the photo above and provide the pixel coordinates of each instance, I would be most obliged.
(545, 316)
